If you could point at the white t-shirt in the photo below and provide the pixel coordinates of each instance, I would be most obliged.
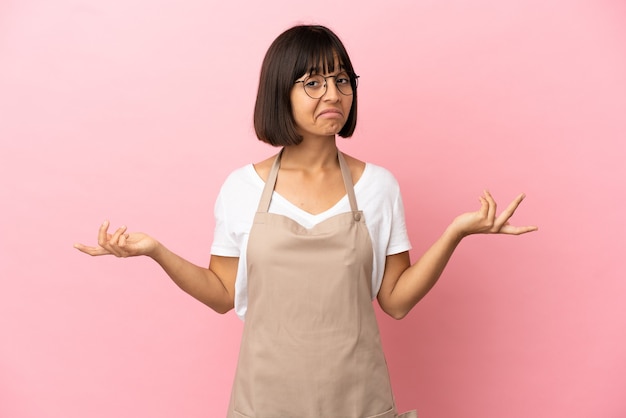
(377, 194)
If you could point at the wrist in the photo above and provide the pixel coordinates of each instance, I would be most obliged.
(157, 251)
(454, 233)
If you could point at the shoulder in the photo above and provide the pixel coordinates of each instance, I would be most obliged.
(239, 196)
(239, 175)
(381, 173)
(241, 182)
(380, 177)
(251, 173)
(378, 191)
(263, 168)
(357, 167)
(370, 176)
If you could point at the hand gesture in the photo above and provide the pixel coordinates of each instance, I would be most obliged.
(120, 244)
(485, 221)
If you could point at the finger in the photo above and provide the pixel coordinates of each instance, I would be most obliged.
(491, 214)
(93, 251)
(517, 230)
(115, 239)
(123, 240)
(110, 243)
(484, 207)
(103, 234)
(508, 212)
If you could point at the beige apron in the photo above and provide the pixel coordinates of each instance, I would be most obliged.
(310, 345)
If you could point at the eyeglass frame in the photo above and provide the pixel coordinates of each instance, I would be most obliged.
(353, 82)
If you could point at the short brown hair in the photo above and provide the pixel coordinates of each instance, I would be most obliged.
(297, 51)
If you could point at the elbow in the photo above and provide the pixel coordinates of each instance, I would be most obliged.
(222, 309)
(395, 307)
(220, 306)
(398, 315)
(395, 312)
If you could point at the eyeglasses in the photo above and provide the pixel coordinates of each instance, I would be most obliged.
(315, 85)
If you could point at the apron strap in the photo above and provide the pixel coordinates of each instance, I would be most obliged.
(347, 181)
(270, 183)
(266, 197)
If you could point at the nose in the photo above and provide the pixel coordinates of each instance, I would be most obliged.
(332, 92)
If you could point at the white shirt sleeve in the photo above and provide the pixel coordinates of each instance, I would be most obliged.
(234, 211)
(398, 236)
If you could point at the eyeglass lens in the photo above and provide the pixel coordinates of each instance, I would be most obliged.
(315, 85)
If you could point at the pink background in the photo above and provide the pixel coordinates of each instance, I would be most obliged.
(136, 110)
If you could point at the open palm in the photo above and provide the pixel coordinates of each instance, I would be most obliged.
(120, 243)
(486, 221)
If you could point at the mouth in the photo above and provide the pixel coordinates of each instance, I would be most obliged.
(331, 113)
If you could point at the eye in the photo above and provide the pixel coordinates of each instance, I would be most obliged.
(314, 82)
(342, 79)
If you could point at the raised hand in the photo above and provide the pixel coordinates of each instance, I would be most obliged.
(486, 221)
(120, 243)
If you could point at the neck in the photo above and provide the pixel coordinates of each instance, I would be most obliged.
(311, 154)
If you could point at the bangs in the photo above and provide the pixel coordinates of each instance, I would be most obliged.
(322, 62)
(318, 55)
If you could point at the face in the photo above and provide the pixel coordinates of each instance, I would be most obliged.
(323, 117)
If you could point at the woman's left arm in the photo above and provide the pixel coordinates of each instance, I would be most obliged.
(404, 284)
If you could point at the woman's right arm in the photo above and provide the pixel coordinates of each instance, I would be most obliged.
(213, 286)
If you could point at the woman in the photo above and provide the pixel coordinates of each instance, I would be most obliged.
(304, 241)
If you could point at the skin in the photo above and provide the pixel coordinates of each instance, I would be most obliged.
(310, 178)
